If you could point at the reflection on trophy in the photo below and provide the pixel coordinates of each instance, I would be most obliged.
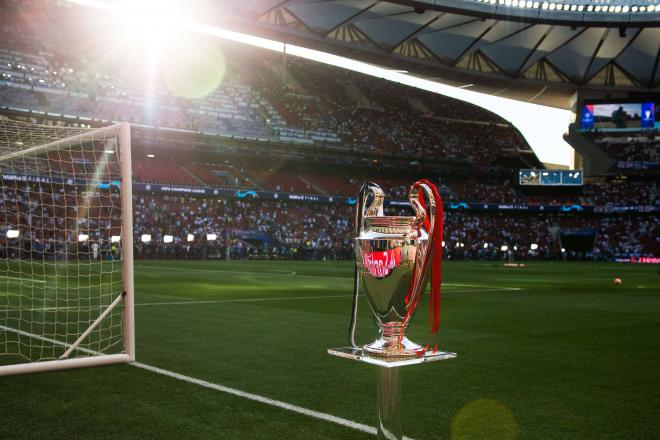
(396, 256)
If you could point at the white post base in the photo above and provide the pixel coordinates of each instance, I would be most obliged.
(65, 364)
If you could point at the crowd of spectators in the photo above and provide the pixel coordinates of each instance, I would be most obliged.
(639, 150)
(295, 101)
(241, 228)
(324, 231)
(628, 192)
(302, 101)
(52, 221)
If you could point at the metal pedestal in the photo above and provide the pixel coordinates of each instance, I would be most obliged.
(389, 385)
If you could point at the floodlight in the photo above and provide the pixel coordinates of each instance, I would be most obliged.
(115, 239)
(168, 238)
(534, 246)
(151, 156)
(83, 237)
(485, 245)
(146, 238)
(190, 237)
(211, 237)
(504, 248)
(563, 250)
(12, 233)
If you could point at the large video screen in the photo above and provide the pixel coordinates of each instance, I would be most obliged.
(620, 116)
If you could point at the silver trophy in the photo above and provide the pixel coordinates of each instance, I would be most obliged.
(393, 266)
(396, 257)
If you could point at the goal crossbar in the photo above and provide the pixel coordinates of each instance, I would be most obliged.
(86, 136)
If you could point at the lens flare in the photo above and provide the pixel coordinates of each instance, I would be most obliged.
(484, 418)
(196, 71)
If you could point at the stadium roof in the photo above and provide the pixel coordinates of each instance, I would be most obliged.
(533, 51)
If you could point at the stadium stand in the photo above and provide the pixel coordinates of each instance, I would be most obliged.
(314, 130)
(631, 150)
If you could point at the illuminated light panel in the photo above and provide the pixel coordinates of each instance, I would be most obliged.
(211, 237)
(145, 238)
(115, 239)
(12, 233)
(168, 238)
(83, 237)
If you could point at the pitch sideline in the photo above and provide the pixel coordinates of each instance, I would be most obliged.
(223, 389)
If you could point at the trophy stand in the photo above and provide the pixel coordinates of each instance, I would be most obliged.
(389, 385)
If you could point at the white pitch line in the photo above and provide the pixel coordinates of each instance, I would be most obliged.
(222, 301)
(261, 399)
(219, 301)
(194, 269)
(286, 298)
(222, 388)
(297, 275)
(22, 280)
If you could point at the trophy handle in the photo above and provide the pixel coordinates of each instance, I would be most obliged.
(425, 217)
(376, 206)
(361, 211)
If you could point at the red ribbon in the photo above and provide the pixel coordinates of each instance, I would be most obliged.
(436, 257)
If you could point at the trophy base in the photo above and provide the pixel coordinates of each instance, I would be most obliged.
(392, 347)
(359, 355)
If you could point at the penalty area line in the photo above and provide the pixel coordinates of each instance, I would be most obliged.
(220, 301)
(236, 300)
(221, 388)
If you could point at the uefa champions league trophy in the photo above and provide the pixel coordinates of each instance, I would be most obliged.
(396, 257)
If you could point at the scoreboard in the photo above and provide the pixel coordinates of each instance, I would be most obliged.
(620, 115)
(551, 177)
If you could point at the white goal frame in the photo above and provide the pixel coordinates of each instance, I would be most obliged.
(123, 132)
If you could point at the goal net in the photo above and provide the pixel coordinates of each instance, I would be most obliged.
(66, 275)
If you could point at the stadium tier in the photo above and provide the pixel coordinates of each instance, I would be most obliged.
(280, 123)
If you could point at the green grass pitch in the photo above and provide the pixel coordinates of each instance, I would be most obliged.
(549, 351)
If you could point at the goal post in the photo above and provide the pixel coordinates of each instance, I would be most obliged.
(66, 247)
